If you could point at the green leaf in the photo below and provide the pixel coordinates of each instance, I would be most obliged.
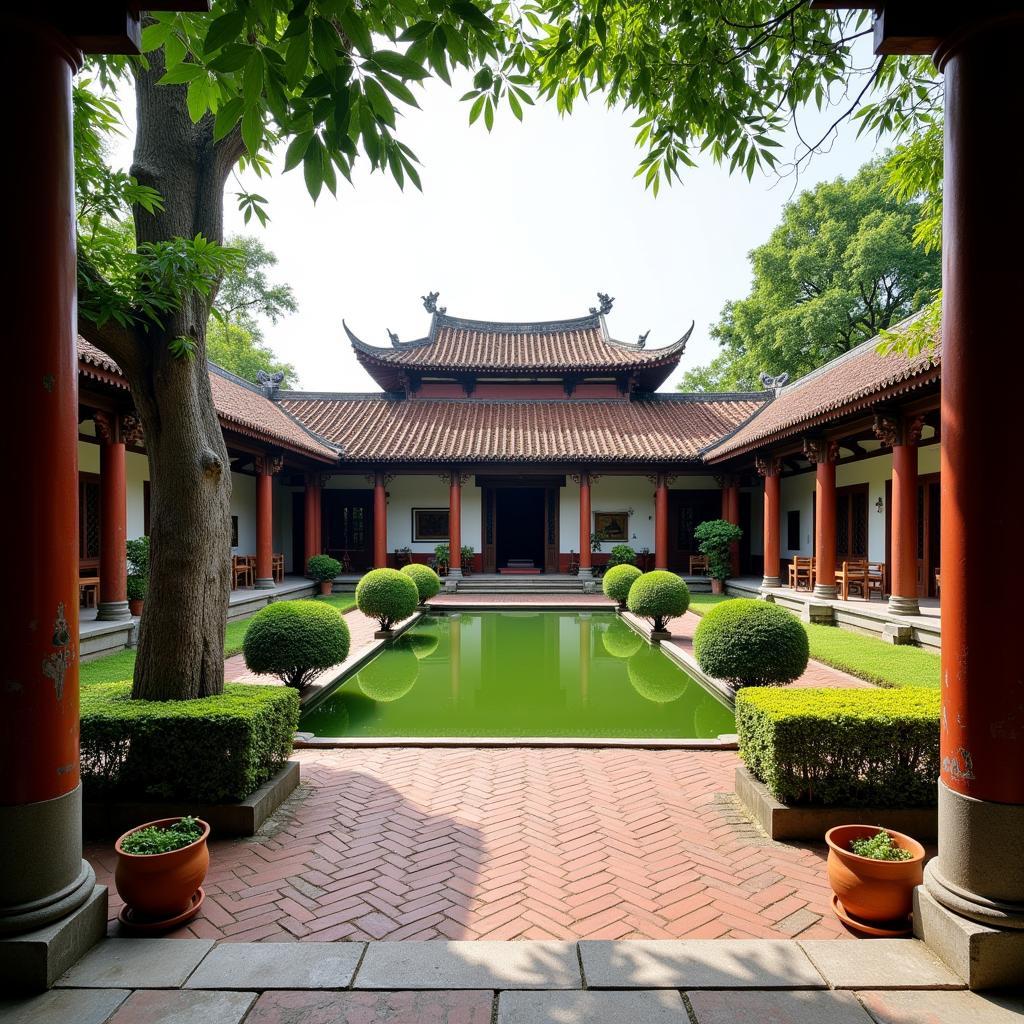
(296, 59)
(252, 129)
(227, 117)
(313, 170)
(399, 64)
(420, 30)
(489, 114)
(397, 88)
(478, 106)
(182, 73)
(325, 43)
(379, 101)
(515, 105)
(154, 36)
(224, 30)
(252, 83)
(297, 150)
(355, 28)
(197, 98)
(472, 15)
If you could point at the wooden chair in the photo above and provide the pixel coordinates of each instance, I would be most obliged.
(801, 573)
(242, 570)
(89, 591)
(277, 570)
(852, 574)
(698, 565)
(877, 581)
(938, 587)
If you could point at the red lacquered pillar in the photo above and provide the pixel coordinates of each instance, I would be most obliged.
(380, 522)
(586, 561)
(731, 514)
(113, 600)
(455, 525)
(42, 874)
(661, 522)
(823, 453)
(769, 468)
(311, 517)
(264, 523)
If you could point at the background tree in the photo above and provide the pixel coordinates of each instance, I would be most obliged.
(244, 299)
(841, 267)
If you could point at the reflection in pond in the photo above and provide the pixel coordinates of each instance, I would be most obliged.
(652, 676)
(387, 679)
(422, 645)
(619, 640)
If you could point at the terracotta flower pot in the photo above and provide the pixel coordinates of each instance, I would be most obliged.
(160, 886)
(326, 586)
(135, 606)
(875, 891)
(717, 586)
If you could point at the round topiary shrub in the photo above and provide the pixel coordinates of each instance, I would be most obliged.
(387, 595)
(658, 596)
(751, 643)
(294, 640)
(617, 581)
(428, 583)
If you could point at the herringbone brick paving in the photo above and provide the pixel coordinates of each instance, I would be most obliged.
(515, 843)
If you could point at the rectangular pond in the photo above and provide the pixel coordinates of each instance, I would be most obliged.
(537, 674)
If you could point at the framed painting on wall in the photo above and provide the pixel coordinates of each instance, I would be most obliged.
(430, 524)
(613, 526)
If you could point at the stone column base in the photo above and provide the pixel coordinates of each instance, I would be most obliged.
(983, 957)
(586, 574)
(826, 591)
(771, 581)
(33, 961)
(903, 605)
(264, 584)
(113, 611)
(897, 633)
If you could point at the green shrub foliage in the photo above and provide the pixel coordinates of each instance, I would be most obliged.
(323, 567)
(387, 595)
(658, 596)
(715, 538)
(621, 554)
(428, 583)
(847, 748)
(294, 640)
(214, 749)
(617, 581)
(162, 839)
(751, 643)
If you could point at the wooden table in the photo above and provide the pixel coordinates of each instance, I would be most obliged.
(89, 590)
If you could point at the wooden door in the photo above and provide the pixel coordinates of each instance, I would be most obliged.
(89, 512)
(851, 522)
(686, 511)
(490, 557)
(348, 526)
(551, 529)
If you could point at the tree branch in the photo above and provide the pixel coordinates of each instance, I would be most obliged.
(115, 339)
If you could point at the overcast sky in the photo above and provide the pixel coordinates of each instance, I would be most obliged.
(527, 222)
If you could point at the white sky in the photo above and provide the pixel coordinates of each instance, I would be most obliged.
(527, 222)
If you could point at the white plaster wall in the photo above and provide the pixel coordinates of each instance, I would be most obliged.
(137, 472)
(282, 497)
(409, 492)
(694, 483)
(569, 515)
(756, 526)
(243, 505)
(88, 454)
(620, 494)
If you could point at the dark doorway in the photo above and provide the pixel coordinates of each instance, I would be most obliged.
(348, 527)
(520, 525)
(686, 511)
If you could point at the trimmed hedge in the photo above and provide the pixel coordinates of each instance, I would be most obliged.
(215, 749)
(617, 580)
(428, 583)
(387, 595)
(658, 596)
(323, 568)
(751, 643)
(848, 748)
(294, 640)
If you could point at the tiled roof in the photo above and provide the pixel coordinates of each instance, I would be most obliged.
(455, 345)
(240, 405)
(652, 430)
(854, 379)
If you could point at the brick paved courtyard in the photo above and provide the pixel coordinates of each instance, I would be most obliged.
(515, 843)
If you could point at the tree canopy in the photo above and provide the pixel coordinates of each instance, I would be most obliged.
(841, 267)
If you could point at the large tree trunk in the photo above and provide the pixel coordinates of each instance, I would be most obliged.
(181, 641)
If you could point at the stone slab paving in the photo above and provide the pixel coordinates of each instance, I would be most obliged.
(265, 965)
(63, 1006)
(137, 963)
(591, 1008)
(700, 963)
(177, 1007)
(373, 1008)
(469, 965)
(723, 1007)
(881, 963)
(943, 1007)
(514, 843)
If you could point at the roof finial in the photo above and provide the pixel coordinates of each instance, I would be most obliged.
(395, 340)
(770, 383)
(606, 302)
(430, 303)
(270, 382)
(642, 340)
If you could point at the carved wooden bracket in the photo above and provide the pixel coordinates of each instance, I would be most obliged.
(114, 428)
(892, 430)
(725, 480)
(820, 449)
(768, 465)
(271, 465)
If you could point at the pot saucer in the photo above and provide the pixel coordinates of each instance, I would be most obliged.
(137, 924)
(856, 924)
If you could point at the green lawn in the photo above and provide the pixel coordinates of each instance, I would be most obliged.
(863, 656)
(115, 667)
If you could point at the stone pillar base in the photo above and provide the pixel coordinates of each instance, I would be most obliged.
(820, 613)
(772, 581)
(897, 633)
(264, 584)
(903, 605)
(983, 957)
(826, 591)
(113, 611)
(586, 574)
(33, 961)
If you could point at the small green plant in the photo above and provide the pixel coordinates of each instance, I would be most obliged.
(621, 554)
(467, 555)
(323, 568)
(428, 583)
(137, 551)
(136, 588)
(597, 538)
(879, 847)
(715, 538)
(162, 839)
(387, 595)
(617, 581)
(658, 596)
(441, 553)
(294, 640)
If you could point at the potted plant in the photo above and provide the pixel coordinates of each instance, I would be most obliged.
(441, 559)
(467, 559)
(323, 569)
(715, 539)
(621, 554)
(138, 573)
(160, 870)
(873, 872)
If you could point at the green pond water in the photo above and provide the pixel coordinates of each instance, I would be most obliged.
(521, 674)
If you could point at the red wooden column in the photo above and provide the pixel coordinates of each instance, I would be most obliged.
(113, 600)
(311, 518)
(266, 468)
(455, 524)
(903, 436)
(586, 562)
(380, 521)
(731, 513)
(42, 874)
(769, 467)
(823, 453)
(661, 522)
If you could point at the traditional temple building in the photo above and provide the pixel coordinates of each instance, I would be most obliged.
(534, 448)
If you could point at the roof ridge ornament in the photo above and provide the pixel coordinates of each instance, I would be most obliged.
(270, 382)
(642, 339)
(606, 302)
(431, 306)
(395, 340)
(776, 383)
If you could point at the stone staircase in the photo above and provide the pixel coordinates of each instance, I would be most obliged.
(551, 583)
